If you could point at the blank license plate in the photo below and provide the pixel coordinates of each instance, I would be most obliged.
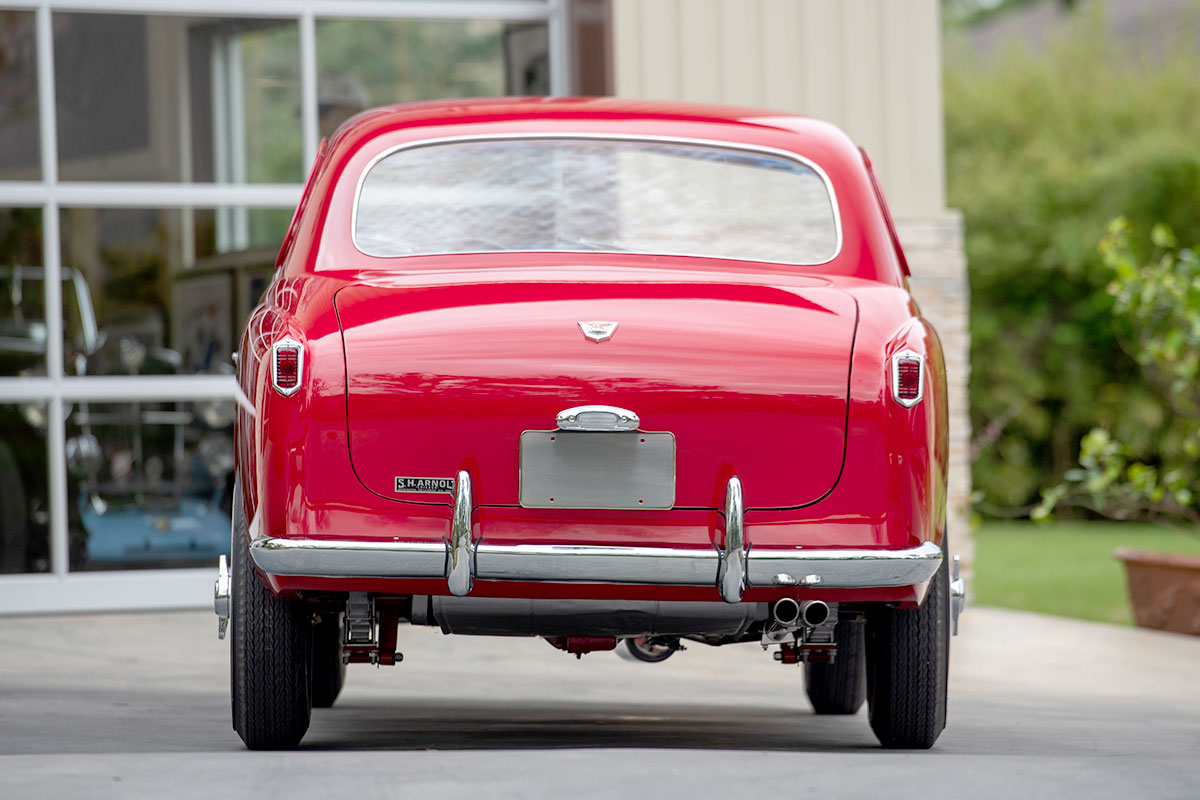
(561, 469)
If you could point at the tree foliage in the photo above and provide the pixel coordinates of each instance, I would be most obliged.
(1157, 310)
(1042, 151)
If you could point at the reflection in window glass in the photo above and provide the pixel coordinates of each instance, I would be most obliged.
(24, 509)
(122, 114)
(606, 195)
(366, 63)
(164, 300)
(150, 483)
(22, 312)
(20, 147)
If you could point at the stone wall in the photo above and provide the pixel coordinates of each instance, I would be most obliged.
(934, 248)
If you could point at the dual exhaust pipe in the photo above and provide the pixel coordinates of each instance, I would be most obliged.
(788, 613)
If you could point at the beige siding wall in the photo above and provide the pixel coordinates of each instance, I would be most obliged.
(871, 66)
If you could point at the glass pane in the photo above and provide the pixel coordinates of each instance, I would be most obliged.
(164, 291)
(20, 146)
(24, 494)
(22, 312)
(577, 195)
(366, 63)
(150, 483)
(171, 98)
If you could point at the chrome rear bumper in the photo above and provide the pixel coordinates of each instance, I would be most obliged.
(730, 568)
(660, 566)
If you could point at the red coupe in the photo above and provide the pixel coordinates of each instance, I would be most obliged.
(607, 372)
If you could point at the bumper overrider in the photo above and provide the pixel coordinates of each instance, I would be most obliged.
(731, 569)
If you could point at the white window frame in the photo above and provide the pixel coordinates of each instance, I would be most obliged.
(61, 590)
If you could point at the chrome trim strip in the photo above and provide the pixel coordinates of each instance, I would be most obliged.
(460, 564)
(553, 563)
(847, 569)
(321, 558)
(622, 419)
(731, 575)
(617, 137)
(661, 566)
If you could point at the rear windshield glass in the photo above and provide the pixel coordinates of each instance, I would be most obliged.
(595, 194)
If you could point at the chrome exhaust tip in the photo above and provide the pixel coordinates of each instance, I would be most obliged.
(786, 612)
(814, 613)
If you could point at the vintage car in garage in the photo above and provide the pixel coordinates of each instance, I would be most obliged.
(149, 484)
(600, 371)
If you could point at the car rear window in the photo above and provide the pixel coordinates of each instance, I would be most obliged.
(612, 195)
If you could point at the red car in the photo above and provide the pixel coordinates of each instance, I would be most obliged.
(602, 371)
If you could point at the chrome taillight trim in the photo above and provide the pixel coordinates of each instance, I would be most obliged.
(908, 355)
(289, 343)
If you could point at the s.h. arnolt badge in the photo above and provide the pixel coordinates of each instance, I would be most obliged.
(435, 485)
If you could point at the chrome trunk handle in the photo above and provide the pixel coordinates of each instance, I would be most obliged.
(597, 418)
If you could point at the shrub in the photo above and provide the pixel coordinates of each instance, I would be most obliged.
(1157, 308)
(1042, 151)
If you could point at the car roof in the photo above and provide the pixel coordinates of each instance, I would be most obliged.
(500, 112)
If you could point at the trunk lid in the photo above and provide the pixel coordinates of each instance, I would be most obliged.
(751, 380)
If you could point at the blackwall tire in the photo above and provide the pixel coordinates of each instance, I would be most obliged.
(269, 654)
(328, 671)
(908, 657)
(840, 687)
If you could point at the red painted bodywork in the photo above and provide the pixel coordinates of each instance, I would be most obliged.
(425, 365)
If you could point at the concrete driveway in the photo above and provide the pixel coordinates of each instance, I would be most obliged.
(137, 705)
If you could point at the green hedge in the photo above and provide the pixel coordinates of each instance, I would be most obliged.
(1043, 150)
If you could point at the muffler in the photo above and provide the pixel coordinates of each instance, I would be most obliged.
(495, 616)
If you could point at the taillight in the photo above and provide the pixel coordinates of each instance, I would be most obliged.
(287, 366)
(907, 378)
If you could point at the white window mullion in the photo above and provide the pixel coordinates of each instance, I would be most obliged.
(309, 117)
(187, 232)
(515, 10)
(220, 134)
(52, 291)
(235, 95)
(559, 35)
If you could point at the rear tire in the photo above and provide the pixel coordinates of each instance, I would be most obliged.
(269, 654)
(840, 687)
(328, 671)
(908, 656)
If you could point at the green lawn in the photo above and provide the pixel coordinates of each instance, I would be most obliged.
(1064, 568)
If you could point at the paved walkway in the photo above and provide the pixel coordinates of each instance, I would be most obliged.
(137, 705)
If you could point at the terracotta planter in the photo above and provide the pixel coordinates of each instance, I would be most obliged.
(1164, 589)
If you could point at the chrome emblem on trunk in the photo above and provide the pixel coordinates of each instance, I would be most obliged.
(598, 331)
